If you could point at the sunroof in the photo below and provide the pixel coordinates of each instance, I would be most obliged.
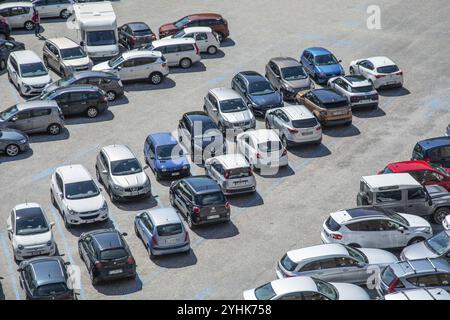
(364, 212)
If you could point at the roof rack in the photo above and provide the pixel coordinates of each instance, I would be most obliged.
(430, 294)
(432, 264)
(411, 266)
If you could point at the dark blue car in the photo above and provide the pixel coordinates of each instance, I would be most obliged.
(165, 156)
(257, 92)
(434, 150)
(321, 64)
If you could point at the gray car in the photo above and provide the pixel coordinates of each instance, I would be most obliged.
(359, 91)
(33, 117)
(12, 142)
(437, 246)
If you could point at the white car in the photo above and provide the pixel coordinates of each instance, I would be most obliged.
(30, 232)
(306, 288)
(375, 227)
(381, 71)
(419, 294)
(27, 72)
(206, 39)
(137, 65)
(77, 196)
(359, 91)
(183, 52)
(262, 148)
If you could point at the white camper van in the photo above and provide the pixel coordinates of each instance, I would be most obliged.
(96, 26)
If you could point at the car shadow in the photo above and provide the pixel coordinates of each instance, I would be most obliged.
(175, 261)
(276, 173)
(144, 85)
(310, 151)
(196, 67)
(78, 230)
(365, 113)
(341, 131)
(138, 204)
(219, 55)
(217, 231)
(118, 102)
(228, 42)
(120, 287)
(21, 156)
(105, 116)
(39, 138)
(393, 92)
(246, 200)
(53, 20)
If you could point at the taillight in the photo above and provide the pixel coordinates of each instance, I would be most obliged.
(154, 241)
(226, 174)
(133, 39)
(318, 128)
(258, 155)
(292, 130)
(336, 236)
(98, 264)
(427, 159)
(391, 288)
(197, 51)
(227, 205)
(130, 260)
(400, 73)
(284, 152)
(186, 237)
(378, 76)
(196, 210)
(153, 37)
(250, 172)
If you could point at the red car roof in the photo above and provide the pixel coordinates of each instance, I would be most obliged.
(406, 166)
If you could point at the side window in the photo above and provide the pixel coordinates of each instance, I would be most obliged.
(201, 36)
(62, 98)
(431, 280)
(92, 81)
(313, 296)
(40, 112)
(77, 96)
(311, 266)
(147, 222)
(5, 13)
(128, 63)
(433, 176)
(418, 151)
(445, 152)
(389, 196)
(292, 296)
(186, 47)
(143, 61)
(218, 167)
(59, 182)
(172, 49)
(284, 117)
(346, 262)
(103, 160)
(444, 279)
(328, 263)
(388, 225)
(416, 194)
(23, 115)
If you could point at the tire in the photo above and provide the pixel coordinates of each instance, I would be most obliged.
(54, 129)
(150, 253)
(220, 36)
(62, 73)
(66, 223)
(189, 222)
(267, 124)
(12, 150)
(185, 63)
(111, 96)
(2, 65)
(222, 129)
(137, 232)
(92, 112)
(352, 71)
(64, 14)
(97, 174)
(440, 214)
(354, 245)
(45, 61)
(415, 240)
(52, 198)
(156, 78)
(94, 280)
(10, 79)
(212, 50)
(111, 196)
(29, 25)
(171, 200)
(79, 253)
(285, 142)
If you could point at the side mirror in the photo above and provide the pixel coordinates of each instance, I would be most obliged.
(20, 270)
(339, 61)
(82, 43)
(360, 265)
(13, 119)
(119, 68)
(67, 263)
(60, 195)
(401, 229)
(105, 171)
(146, 166)
(52, 224)
(9, 228)
(124, 234)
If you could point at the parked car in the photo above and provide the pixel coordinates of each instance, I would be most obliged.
(18, 14)
(12, 142)
(257, 92)
(64, 56)
(306, 288)
(46, 278)
(207, 40)
(329, 106)
(232, 172)
(78, 100)
(107, 81)
(381, 71)
(165, 156)
(374, 227)
(30, 232)
(179, 52)
(137, 65)
(438, 246)
(321, 64)
(227, 109)
(402, 193)
(133, 35)
(359, 92)
(419, 294)
(118, 169)
(333, 262)
(262, 148)
(288, 77)
(27, 72)
(434, 150)
(54, 8)
(33, 117)
(200, 136)
(295, 125)
(200, 200)
(424, 172)
(162, 232)
(414, 274)
(6, 47)
(212, 20)
(106, 255)
(5, 29)
(77, 197)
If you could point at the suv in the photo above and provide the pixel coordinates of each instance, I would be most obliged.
(215, 21)
(18, 14)
(402, 193)
(321, 64)
(33, 117)
(5, 29)
(434, 150)
(288, 76)
(200, 200)
(6, 47)
(118, 169)
(53, 8)
(438, 246)
(182, 52)
(227, 109)
(358, 91)
(327, 105)
(381, 71)
(64, 56)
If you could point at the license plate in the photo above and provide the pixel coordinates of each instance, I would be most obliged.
(337, 113)
(116, 271)
(308, 133)
(392, 82)
(171, 241)
(37, 253)
(240, 182)
(215, 216)
(365, 101)
(175, 174)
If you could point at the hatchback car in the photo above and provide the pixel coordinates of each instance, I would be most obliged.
(46, 278)
(438, 246)
(6, 47)
(27, 72)
(288, 76)
(54, 8)
(232, 172)
(382, 72)
(295, 125)
(77, 197)
(329, 106)
(334, 262)
(434, 150)
(207, 40)
(30, 232)
(306, 288)
(106, 255)
(137, 65)
(321, 64)
(64, 56)
(165, 156)
(162, 232)
(227, 109)
(12, 142)
(200, 200)
(419, 294)
(18, 14)
(374, 227)
(359, 92)
(179, 52)
(257, 92)
(133, 35)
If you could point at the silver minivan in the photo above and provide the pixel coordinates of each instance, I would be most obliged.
(18, 14)
(54, 8)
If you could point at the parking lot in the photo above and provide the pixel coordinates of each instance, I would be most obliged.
(288, 209)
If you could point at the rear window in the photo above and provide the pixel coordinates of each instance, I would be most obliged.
(239, 173)
(334, 105)
(169, 229)
(287, 263)
(210, 199)
(52, 289)
(332, 224)
(387, 170)
(113, 254)
(388, 276)
(304, 123)
(362, 89)
(387, 69)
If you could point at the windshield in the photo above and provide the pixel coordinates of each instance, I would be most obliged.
(305, 123)
(362, 89)
(100, 38)
(142, 32)
(358, 255)
(387, 69)
(180, 34)
(113, 254)
(52, 289)
(439, 243)
(169, 229)
(232, 105)
(334, 105)
(325, 59)
(211, 199)
(439, 168)
(396, 217)
(115, 61)
(73, 53)
(182, 22)
(168, 152)
(37, 69)
(81, 190)
(293, 73)
(5, 115)
(65, 81)
(265, 292)
(260, 88)
(31, 224)
(287, 263)
(326, 289)
(125, 167)
(270, 146)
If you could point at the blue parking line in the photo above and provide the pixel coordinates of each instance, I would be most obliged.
(10, 266)
(202, 295)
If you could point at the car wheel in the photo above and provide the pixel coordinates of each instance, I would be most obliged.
(222, 129)
(352, 71)
(45, 60)
(111, 95)
(285, 141)
(440, 214)
(92, 112)
(354, 245)
(267, 124)
(318, 142)
(9, 78)
(189, 222)
(348, 123)
(137, 232)
(54, 129)
(29, 25)
(171, 199)
(79, 253)
(212, 50)
(415, 240)
(64, 14)
(12, 150)
(52, 198)
(112, 196)
(150, 253)
(156, 78)
(220, 36)
(62, 72)
(66, 223)
(185, 63)
(2, 65)
(94, 280)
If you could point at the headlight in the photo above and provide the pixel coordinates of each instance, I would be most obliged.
(23, 141)
(26, 86)
(424, 229)
(49, 243)
(185, 167)
(147, 183)
(289, 89)
(163, 169)
(323, 113)
(227, 124)
(20, 247)
(117, 187)
(72, 212)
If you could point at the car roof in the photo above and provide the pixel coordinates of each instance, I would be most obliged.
(296, 111)
(380, 61)
(163, 138)
(417, 266)
(197, 29)
(343, 216)
(28, 209)
(137, 26)
(316, 51)
(420, 294)
(225, 93)
(77, 87)
(26, 56)
(252, 76)
(63, 42)
(47, 270)
(74, 173)
(411, 165)
(284, 62)
(36, 104)
(107, 239)
(91, 73)
(391, 181)
(16, 4)
(318, 251)
(164, 216)
(434, 142)
(293, 284)
(141, 54)
(356, 80)
(198, 116)
(206, 15)
(263, 135)
(232, 161)
(118, 152)
(328, 95)
(202, 184)
(169, 41)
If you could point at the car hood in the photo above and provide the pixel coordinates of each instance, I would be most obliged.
(415, 221)
(249, 295)
(37, 80)
(168, 27)
(174, 164)
(103, 66)
(240, 116)
(87, 204)
(418, 251)
(298, 84)
(266, 99)
(378, 256)
(11, 134)
(131, 180)
(77, 62)
(34, 239)
(330, 69)
(349, 291)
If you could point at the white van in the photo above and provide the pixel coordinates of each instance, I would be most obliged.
(181, 52)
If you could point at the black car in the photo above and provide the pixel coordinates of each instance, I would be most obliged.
(434, 150)
(135, 34)
(257, 92)
(46, 278)
(106, 255)
(200, 200)
(5, 29)
(6, 47)
(200, 134)
(78, 99)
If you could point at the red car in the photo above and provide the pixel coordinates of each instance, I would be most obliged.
(424, 172)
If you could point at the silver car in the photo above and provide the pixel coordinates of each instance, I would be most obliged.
(18, 14)
(162, 232)
(359, 91)
(437, 246)
(53, 8)
(12, 142)
(334, 262)
(121, 173)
